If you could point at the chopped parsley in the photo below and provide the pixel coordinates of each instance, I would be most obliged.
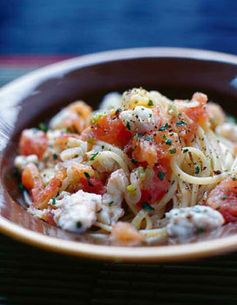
(161, 175)
(128, 125)
(164, 127)
(181, 123)
(185, 150)
(172, 151)
(147, 207)
(93, 156)
(118, 111)
(55, 156)
(148, 138)
(197, 170)
(21, 186)
(200, 230)
(134, 161)
(110, 203)
(87, 175)
(78, 224)
(43, 127)
(168, 142)
(150, 103)
(53, 201)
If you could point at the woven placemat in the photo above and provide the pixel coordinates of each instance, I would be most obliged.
(33, 276)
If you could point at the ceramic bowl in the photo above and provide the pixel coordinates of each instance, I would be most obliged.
(37, 96)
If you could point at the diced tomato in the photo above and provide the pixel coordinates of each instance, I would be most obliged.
(224, 199)
(198, 114)
(111, 130)
(168, 144)
(33, 142)
(93, 185)
(157, 186)
(143, 151)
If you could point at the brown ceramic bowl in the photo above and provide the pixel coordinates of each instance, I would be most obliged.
(35, 97)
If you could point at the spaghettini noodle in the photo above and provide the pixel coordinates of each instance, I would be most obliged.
(140, 168)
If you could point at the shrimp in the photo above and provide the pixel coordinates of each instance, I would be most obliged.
(75, 117)
(33, 182)
(125, 234)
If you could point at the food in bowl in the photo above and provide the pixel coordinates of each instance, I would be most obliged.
(142, 168)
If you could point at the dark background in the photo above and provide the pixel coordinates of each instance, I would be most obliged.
(85, 26)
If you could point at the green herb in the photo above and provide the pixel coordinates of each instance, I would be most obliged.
(147, 207)
(185, 150)
(78, 224)
(138, 135)
(43, 127)
(197, 170)
(87, 175)
(172, 151)
(164, 127)
(168, 142)
(161, 175)
(150, 103)
(21, 186)
(134, 161)
(150, 115)
(55, 156)
(200, 230)
(181, 123)
(148, 138)
(128, 126)
(118, 111)
(93, 156)
(110, 203)
(53, 201)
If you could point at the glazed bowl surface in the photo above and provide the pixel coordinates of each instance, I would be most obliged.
(35, 97)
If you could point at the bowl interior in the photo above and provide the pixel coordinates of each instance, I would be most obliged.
(21, 107)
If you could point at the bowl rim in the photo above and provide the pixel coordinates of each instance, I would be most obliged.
(26, 83)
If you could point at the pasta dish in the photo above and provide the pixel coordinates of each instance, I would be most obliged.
(140, 168)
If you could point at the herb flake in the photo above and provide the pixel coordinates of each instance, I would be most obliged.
(161, 175)
(93, 156)
(147, 207)
(164, 127)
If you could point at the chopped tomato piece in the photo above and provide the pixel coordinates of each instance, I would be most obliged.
(143, 151)
(198, 113)
(156, 186)
(111, 130)
(224, 199)
(93, 185)
(32, 180)
(33, 142)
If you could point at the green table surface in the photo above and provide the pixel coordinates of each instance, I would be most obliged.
(33, 276)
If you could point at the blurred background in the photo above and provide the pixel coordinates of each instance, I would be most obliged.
(72, 27)
(37, 32)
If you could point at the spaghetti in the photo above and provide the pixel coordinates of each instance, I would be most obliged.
(141, 168)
